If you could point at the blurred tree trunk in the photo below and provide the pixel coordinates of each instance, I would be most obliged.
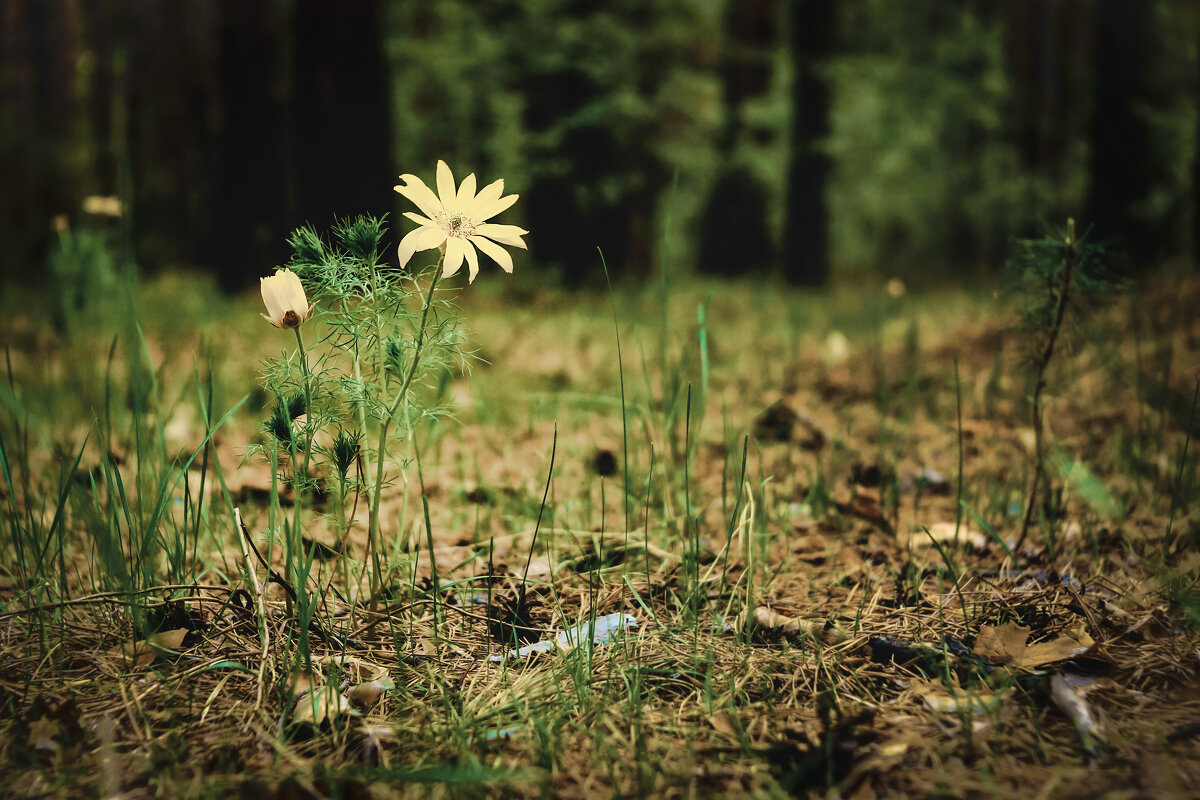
(1120, 162)
(341, 113)
(101, 35)
(1196, 186)
(806, 225)
(1048, 59)
(247, 152)
(738, 200)
(160, 131)
(38, 51)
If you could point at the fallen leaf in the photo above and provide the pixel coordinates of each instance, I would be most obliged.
(1002, 644)
(721, 724)
(367, 694)
(168, 640)
(772, 620)
(322, 704)
(145, 651)
(1070, 644)
(301, 682)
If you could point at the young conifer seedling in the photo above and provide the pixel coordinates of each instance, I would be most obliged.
(1054, 274)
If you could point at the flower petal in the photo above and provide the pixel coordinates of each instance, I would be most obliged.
(504, 234)
(454, 256)
(487, 195)
(482, 211)
(466, 193)
(272, 297)
(267, 290)
(421, 196)
(445, 184)
(472, 260)
(292, 291)
(495, 251)
(419, 239)
(422, 221)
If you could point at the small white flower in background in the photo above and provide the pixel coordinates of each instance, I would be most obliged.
(287, 306)
(456, 220)
(103, 205)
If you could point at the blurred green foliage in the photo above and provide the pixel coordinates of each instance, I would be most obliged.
(600, 108)
(661, 132)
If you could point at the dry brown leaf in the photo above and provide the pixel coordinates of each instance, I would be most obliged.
(721, 724)
(168, 640)
(301, 682)
(1070, 644)
(773, 620)
(1001, 644)
(367, 694)
(324, 703)
(144, 652)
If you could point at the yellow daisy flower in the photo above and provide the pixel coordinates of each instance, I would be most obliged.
(456, 221)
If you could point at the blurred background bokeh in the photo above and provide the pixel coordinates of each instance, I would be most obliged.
(807, 140)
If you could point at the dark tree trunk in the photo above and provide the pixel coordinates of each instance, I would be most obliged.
(738, 200)
(101, 35)
(38, 49)
(341, 116)
(249, 190)
(1195, 227)
(1120, 164)
(1048, 51)
(806, 229)
(160, 132)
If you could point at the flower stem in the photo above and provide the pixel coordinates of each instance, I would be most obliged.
(390, 413)
(298, 477)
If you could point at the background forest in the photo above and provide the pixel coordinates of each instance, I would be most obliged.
(804, 139)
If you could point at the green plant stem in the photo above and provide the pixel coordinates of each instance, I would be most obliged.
(1064, 293)
(298, 479)
(361, 408)
(386, 424)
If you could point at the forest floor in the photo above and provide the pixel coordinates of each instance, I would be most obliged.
(799, 514)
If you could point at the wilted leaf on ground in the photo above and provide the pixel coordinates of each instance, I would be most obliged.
(352, 668)
(721, 724)
(1008, 644)
(1002, 644)
(1071, 644)
(144, 652)
(766, 618)
(367, 693)
(771, 619)
(168, 640)
(301, 682)
(324, 703)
